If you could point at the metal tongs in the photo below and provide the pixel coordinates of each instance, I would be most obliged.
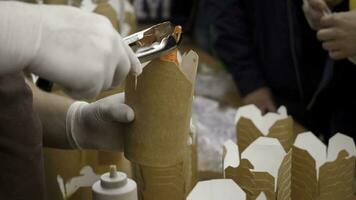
(155, 41)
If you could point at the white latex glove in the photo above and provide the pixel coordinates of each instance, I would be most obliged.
(96, 125)
(80, 51)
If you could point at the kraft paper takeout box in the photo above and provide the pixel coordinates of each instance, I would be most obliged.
(257, 169)
(329, 172)
(250, 124)
(309, 170)
(158, 142)
(162, 99)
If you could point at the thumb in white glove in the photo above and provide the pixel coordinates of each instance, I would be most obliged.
(97, 125)
(79, 50)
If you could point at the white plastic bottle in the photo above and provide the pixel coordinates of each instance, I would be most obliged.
(114, 185)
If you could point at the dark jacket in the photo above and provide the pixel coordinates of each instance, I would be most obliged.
(269, 43)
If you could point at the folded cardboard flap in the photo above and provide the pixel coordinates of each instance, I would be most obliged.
(266, 155)
(86, 179)
(283, 130)
(162, 103)
(264, 185)
(316, 149)
(236, 169)
(336, 179)
(254, 173)
(335, 165)
(242, 176)
(250, 125)
(338, 143)
(262, 122)
(231, 155)
(297, 176)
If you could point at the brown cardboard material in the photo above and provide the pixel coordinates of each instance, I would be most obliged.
(162, 103)
(336, 179)
(160, 183)
(297, 177)
(252, 175)
(156, 183)
(164, 162)
(242, 176)
(283, 131)
(264, 183)
(247, 132)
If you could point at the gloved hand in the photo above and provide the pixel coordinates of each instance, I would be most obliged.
(339, 34)
(80, 51)
(262, 98)
(97, 125)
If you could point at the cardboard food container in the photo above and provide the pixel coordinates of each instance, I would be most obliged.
(266, 169)
(250, 125)
(162, 99)
(158, 142)
(308, 169)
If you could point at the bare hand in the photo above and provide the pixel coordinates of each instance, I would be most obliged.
(313, 11)
(262, 98)
(339, 34)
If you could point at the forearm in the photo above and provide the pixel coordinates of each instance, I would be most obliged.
(20, 27)
(52, 110)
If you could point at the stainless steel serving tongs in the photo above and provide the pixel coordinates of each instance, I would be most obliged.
(155, 41)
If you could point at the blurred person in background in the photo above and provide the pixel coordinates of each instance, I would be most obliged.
(180, 12)
(276, 59)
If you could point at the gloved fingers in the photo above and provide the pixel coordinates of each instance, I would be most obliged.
(113, 109)
(136, 67)
(122, 67)
(118, 113)
(127, 62)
